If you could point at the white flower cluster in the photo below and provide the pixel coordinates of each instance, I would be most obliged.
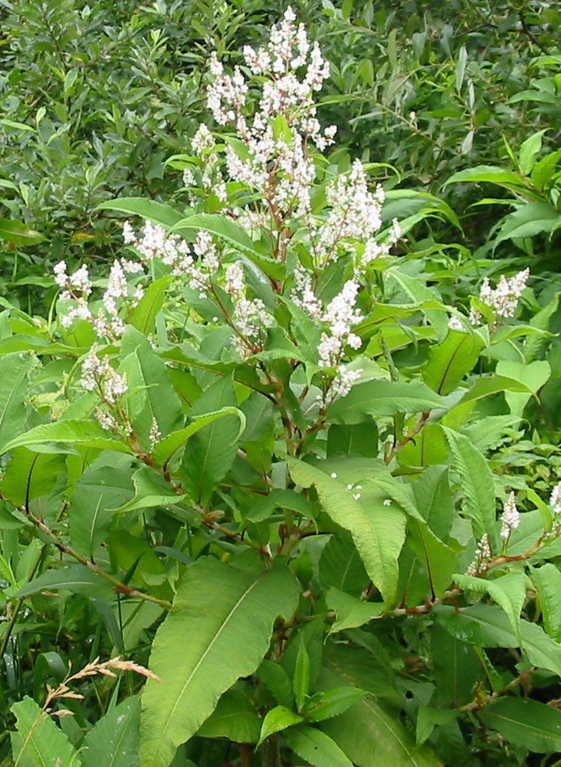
(340, 316)
(555, 499)
(356, 214)
(155, 433)
(203, 145)
(249, 316)
(98, 374)
(199, 261)
(504, 298)
(276, 164)
(77, 287)
(482, 555)
(454, 323)
(510, 518)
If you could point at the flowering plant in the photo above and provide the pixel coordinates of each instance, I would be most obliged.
(267, 432)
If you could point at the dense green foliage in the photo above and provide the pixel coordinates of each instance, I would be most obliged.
(280, 476)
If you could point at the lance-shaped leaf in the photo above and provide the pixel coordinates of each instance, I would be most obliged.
(83, 432)
(548, 587)
(151, 398)
(527, 723)
(316, 748)
(456, 667)
(277, 720)
(489, 626)
(341, 567)
(209, 454)
(369, 732)
(143, 316)
(165, 449)
(113, 741)
(232, 233)
(451, 360)
(438, 559)
(40, 743)
(14, 370)
(378, 530)
(509, 592)
(235, 717)
(199, 653)
(30, 475)
(18, 233)
(476, 481)
(157, 212)
(378, 398)
(75, 578)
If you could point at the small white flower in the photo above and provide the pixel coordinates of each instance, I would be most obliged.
(388, 502)
(455, 324)
(555, 499)
(510, 518)
(333, 475)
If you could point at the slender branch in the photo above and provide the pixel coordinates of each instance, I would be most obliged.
(528, 32)
(409, 437)
(118, 586)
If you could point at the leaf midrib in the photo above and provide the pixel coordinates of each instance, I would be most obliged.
(211, 645)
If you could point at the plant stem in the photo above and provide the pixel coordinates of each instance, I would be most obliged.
(118, 585)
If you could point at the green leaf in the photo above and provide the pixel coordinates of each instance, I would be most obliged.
(19, 233)
(276, 720)
(456, 667)
(277, 682)
(340, 566)
(280, 499)
(350, 611)
(544, 169)
(151, 210)
(525, 723)
(378, 531)
(235, 717)
(317, 748)
(84, 433)
(302, 672)
(151, 397)
(529, 150)
(113, 740)
(30, 475)
(331, 703)
(143, 315)
(229, 231)
(369, 732)
(529, 220)
(42, 742)
(14, 372)
(487, 173)
(489, 626)
(451, 360)
(547, 579)
(379, 398)
(508, 591)
(476, 482)
(75, 578)
(434, 500)
(99, 490)
(216, 648)
(210, 453)
(357, 439)
(438, 559)
(164, 450)
(532, 375)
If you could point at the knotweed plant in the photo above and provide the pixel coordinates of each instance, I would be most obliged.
(276, 466)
